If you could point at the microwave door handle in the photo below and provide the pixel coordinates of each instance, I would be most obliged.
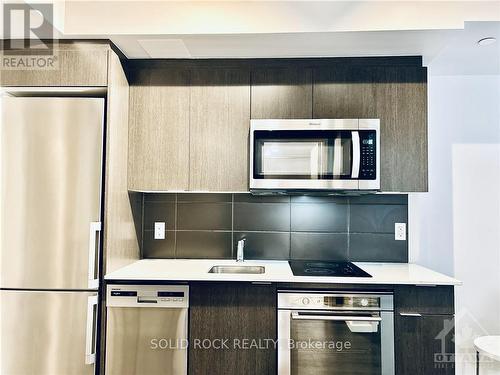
(337, 156)
(356, 155)
(341, 318)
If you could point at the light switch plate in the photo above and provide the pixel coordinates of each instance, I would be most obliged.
(159, 230)
(400, 231)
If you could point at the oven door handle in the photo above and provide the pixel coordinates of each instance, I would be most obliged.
(343, 318)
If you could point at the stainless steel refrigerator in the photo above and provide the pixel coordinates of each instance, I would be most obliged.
(51, 180)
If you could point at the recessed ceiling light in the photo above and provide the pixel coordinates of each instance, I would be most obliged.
(486, 41)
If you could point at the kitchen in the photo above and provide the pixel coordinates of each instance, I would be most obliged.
(224, 208)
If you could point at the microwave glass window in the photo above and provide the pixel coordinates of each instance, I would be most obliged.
(294, 155)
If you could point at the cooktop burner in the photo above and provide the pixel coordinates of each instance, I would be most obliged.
(318, 268)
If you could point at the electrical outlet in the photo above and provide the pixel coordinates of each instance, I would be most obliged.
(400, 231)
(159, 230)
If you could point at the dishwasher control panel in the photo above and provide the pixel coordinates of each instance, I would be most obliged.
(166, 296)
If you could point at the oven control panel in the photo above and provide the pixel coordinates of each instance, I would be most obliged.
(335, 301)
(340, 302)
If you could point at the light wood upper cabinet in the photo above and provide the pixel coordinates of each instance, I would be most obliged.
(219, 129)
(281, 93)
(159, 129)
(397, 95)
(74, 64)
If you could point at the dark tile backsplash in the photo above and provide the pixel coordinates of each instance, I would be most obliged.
(375, 218)
(319, 217)
(264, 245)
(205, 225)
(320, 246)
(204, 216)
(262, 217)
(198, 244)
(377, 247)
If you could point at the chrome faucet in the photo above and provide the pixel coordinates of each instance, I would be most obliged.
(240, 250)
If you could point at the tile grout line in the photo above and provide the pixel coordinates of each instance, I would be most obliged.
(275, 231)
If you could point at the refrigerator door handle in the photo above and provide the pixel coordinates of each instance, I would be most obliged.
(90, 330)
(95, 228)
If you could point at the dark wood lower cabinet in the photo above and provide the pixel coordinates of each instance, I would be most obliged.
(424, 345)
(231, 325)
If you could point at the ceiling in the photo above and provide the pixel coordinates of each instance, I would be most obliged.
(445, 33)
(445, 51)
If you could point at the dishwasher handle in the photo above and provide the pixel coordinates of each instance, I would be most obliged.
(142, 299)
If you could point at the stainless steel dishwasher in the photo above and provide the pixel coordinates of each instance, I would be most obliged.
(146, 331)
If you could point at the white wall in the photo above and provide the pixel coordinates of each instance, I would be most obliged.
(455, 228)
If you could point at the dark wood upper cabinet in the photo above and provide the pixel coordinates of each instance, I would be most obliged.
(189, 119)
(219, 129)
(281, 93)
(232, 311)
(397, 95)
(344, 92)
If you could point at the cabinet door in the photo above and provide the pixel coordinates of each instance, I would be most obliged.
(242, 313)
(281, 93)
(395, 95)
(424, 345)
(219, 129)
(159, 130)
(72, 64)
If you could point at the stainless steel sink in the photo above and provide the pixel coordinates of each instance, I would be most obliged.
(238, 269)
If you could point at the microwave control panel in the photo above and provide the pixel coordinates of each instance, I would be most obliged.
(368, 145)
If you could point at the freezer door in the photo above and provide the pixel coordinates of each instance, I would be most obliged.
(51, 191)
(50, 333)
(146, 340)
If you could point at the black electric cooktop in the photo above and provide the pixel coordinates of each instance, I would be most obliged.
(320, 268)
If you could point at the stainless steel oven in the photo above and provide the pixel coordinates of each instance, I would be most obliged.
(322, 155)
(335, 333)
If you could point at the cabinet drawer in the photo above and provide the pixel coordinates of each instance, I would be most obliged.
(424, 299)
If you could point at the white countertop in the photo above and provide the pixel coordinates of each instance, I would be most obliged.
(489, 346)
(276, 271)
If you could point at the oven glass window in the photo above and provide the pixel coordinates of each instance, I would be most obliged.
(302, 154)
(324, 347)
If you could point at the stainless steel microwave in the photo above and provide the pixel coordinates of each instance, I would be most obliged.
(314, 155)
